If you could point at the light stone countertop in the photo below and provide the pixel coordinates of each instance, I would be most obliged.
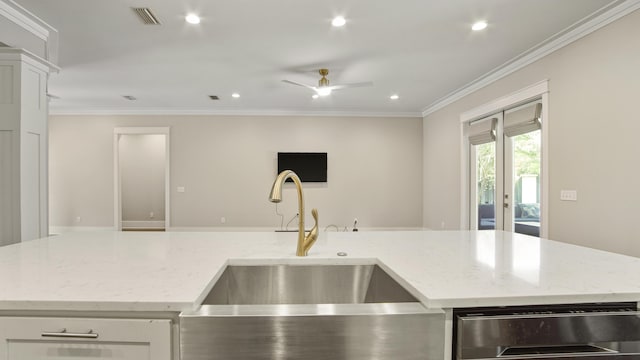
(138, 271)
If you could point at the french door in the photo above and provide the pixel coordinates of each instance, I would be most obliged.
(505, 167)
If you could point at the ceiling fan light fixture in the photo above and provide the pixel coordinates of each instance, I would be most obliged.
(323, 91)
(323, 88)
(480, 25)
(338, 21)
(192, 19)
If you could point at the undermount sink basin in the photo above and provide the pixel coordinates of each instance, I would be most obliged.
(310, 312)
(310, 284)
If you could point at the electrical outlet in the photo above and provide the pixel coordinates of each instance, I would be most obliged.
(569, 195)
(151, 215)
(78, 219)
(223, 220)
(180, 189)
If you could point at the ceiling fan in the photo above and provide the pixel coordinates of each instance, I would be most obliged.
(323, 88)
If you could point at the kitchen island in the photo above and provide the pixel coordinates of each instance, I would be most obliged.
(136, 274)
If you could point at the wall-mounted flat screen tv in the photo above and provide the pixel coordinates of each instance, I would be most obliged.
(310, 167)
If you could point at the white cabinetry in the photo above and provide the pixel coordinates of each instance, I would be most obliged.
(23, 146)
(31, 338)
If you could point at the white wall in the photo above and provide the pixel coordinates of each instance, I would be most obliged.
(142, 174)
(593, 145)
(227, 165)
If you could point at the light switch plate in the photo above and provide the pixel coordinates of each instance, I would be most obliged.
(569, 195)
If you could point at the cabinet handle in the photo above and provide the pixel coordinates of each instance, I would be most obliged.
(64, 334)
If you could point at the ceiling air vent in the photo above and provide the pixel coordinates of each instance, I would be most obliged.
(146, 15)
(214, 97)
(129, 97)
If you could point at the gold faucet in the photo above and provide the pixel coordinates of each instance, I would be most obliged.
(305, 242)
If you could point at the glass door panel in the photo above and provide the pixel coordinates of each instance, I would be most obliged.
(525, 186)
(485, 185)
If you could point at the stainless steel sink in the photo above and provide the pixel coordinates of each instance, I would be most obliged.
(311, 284)
(310, 312)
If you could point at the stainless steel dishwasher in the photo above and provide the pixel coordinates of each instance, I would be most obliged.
(584, 331)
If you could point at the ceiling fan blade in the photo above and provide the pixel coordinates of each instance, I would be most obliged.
(352, 85)
(299, 84)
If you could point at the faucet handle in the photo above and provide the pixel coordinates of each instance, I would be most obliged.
(311, 238)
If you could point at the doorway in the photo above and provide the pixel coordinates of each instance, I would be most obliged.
(141, 178)
(505, 168)
(505, 163)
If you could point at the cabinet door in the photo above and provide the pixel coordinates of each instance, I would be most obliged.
(24, 338)
(67, 350)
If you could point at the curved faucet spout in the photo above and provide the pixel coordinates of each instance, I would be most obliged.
(304, 241)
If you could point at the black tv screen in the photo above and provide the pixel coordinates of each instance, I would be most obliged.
(310, 167)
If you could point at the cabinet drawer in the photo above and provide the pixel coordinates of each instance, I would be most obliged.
(23, 338)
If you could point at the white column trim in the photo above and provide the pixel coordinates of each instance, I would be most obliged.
(15, 54)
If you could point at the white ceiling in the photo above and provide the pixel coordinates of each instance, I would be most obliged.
(421, 50)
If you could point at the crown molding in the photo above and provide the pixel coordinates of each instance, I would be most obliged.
(584, 27)
(22, 17)
(239, 112)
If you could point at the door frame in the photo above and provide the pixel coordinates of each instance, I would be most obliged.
(539, 90)
(117, 192)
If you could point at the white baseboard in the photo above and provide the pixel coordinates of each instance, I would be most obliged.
(291, 229)
(143, 224)
(219, 229)
(54, 230)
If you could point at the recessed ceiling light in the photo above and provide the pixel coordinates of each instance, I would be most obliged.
(192, 19)
(338, 21)
(235, 95)
(480, 25)
(315, 96)
(394, 97)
